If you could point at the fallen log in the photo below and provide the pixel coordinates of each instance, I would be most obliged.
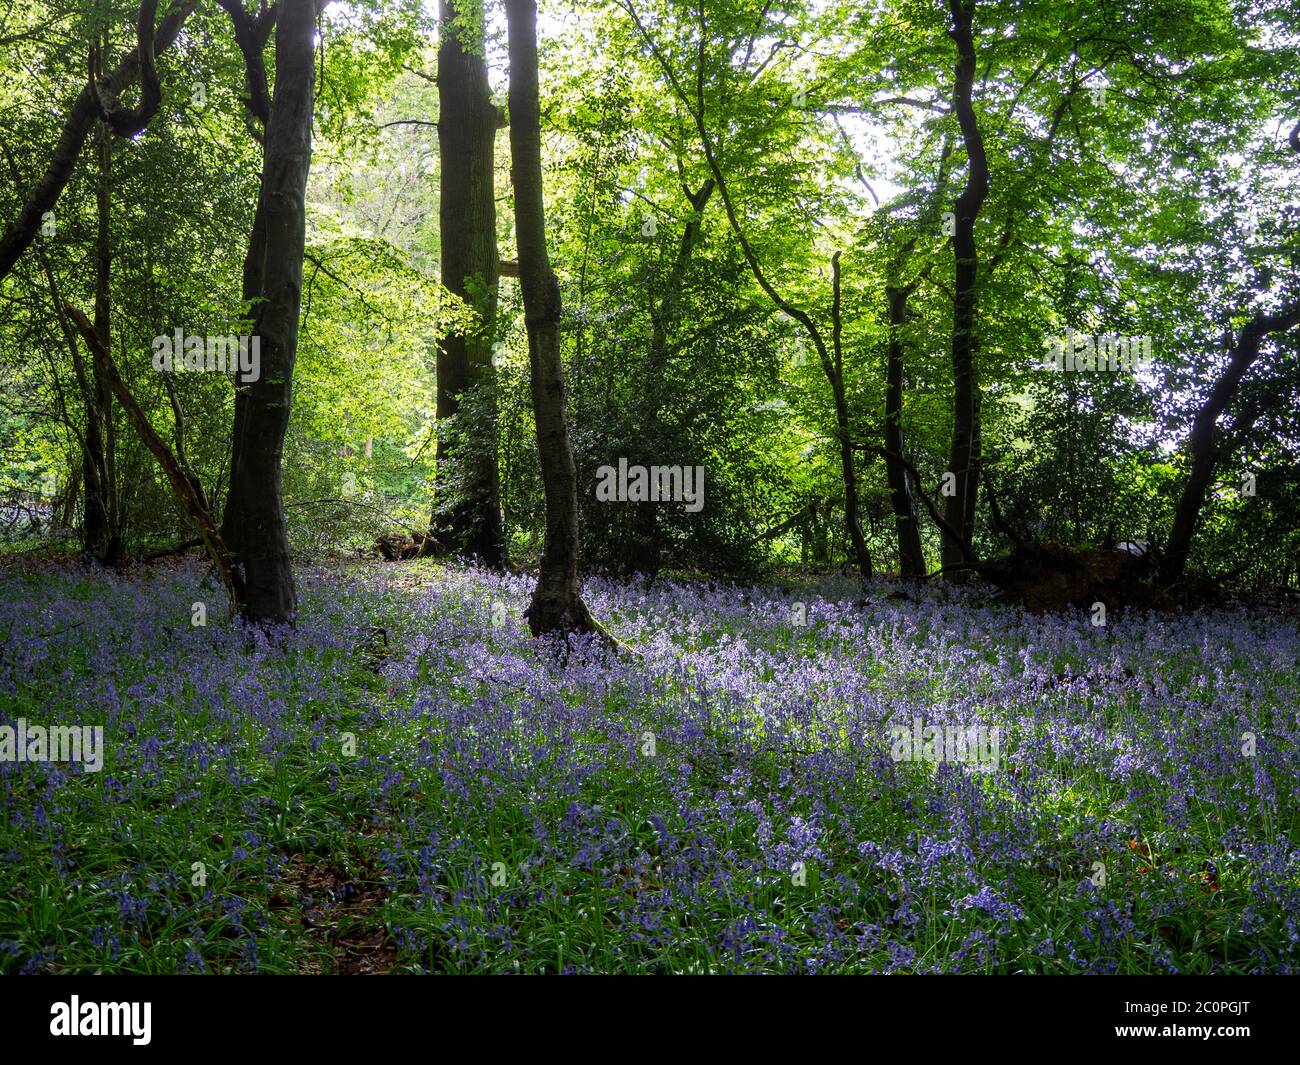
(400, 548)
(168, 552)
(1046, 577)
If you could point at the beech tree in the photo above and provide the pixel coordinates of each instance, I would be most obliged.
(964, 455)
(557, 605)
(470, 521)
(255, 484)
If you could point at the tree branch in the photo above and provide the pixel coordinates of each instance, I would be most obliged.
(123, 122)
(190, 502)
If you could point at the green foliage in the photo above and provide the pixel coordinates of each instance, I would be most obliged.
(1141, 184)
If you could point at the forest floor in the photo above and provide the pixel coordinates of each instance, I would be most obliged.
(405, 784)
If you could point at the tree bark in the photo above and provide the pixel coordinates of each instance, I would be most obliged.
(557, 605)
(852, 520)
(102, 534)
(280, 225)
(233, 518)
(251, 35)
(467, 125)
(1203, 445)
(964, 455)
(911, 556)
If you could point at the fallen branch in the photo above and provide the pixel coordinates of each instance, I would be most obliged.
(777, 530)
(167, 552)
(355, 503)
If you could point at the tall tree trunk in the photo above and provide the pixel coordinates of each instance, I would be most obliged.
(102, 533)
(95, 529)
(467, 125)
(281, 221)
(1203, 446)
(557, 605)
(233, 518)
(911, 557)
(251, 34)
(964, 455)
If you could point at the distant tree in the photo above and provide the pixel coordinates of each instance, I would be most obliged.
(467, 509)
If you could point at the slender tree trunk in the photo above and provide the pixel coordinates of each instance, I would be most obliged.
(557, 605)
(1203, 445)
(103, 534)
(832, 366)
(101, 537)
(281, 222)
(695, 104)
(69, 501)
(852, 521)
(467, 125)
(964, 457)
(91, 467)
(911, 557)
(96, 523)
(182, 452)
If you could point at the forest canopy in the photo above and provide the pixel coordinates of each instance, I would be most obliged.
(917, 288)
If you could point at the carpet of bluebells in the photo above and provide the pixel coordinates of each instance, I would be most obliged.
(405, 783)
